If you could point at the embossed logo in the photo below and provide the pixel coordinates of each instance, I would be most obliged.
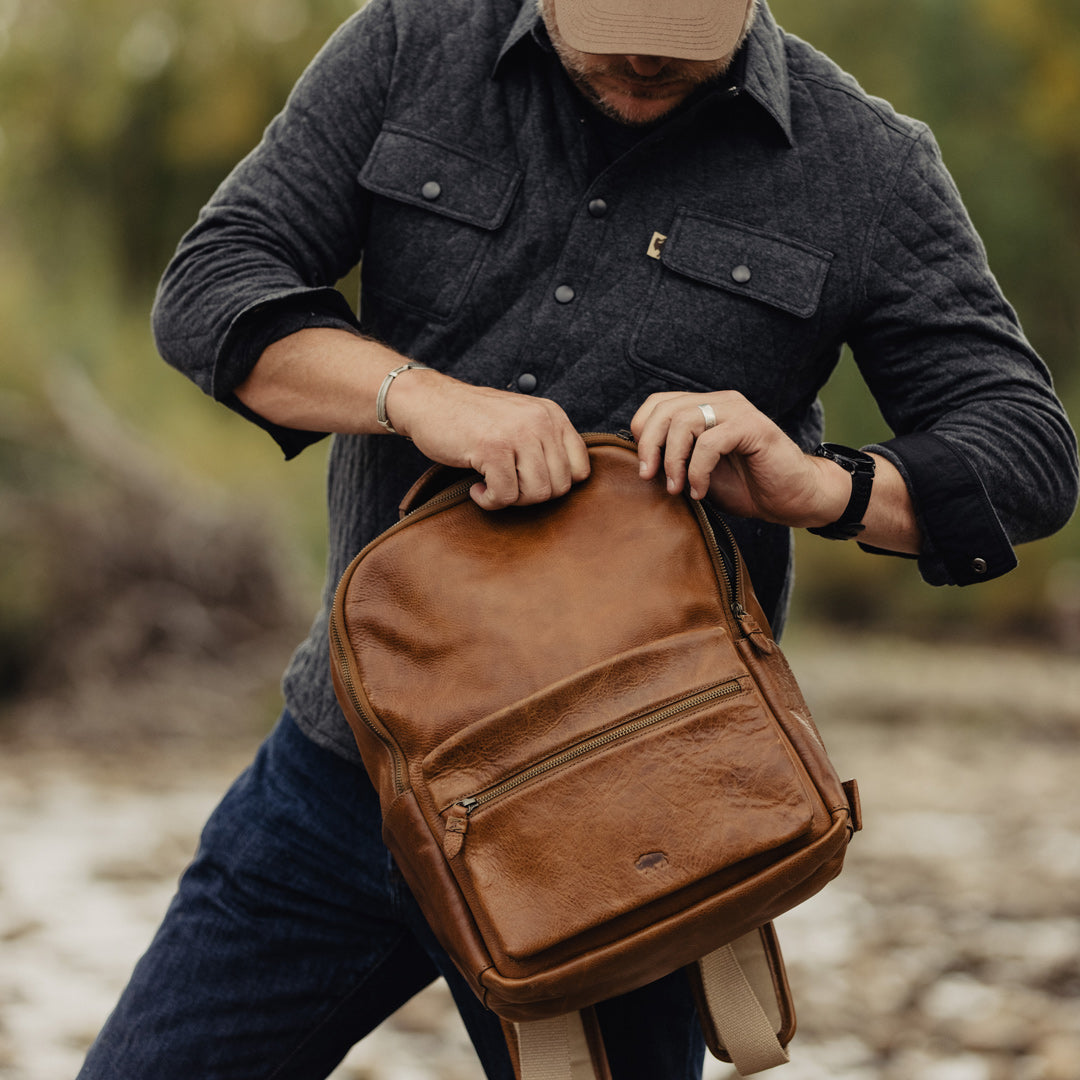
(655, 860)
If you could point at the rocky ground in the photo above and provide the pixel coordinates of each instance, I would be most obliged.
(949, 949)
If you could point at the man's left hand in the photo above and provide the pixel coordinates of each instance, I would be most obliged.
(745, 464)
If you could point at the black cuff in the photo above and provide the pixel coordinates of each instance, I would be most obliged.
(257, 328)
(965, 542)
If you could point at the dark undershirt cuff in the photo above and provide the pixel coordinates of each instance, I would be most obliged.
(256, 329)
(964, 542)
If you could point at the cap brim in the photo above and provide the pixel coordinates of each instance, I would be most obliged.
(683, 29)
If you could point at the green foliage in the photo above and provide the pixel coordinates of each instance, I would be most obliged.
(999, 84)
(119, 117)
(117, 120)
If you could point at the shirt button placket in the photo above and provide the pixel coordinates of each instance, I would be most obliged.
(597, 208)
(553, 324)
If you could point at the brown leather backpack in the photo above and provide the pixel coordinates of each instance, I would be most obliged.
(594, 763)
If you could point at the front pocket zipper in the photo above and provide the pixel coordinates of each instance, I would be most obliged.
(457, 814)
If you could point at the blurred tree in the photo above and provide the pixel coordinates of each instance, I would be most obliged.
(999, 83)
(120, 116)
(117, 120)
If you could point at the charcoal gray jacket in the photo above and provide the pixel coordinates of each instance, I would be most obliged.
(506, 236)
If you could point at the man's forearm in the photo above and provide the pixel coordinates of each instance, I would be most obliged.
(524, 447)
(320, 380)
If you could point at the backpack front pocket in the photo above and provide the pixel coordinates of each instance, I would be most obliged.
(655, 779)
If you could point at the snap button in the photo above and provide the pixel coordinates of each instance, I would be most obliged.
(741, 274)
(526, 382)
(431, 190)
(564, 294)
(598, 208)
(979, 566)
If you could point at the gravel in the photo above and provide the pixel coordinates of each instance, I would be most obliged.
(949, 949)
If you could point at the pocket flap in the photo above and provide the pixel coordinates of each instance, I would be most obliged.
(576, 709)
(417, 170)
(634, 829)
(775, 269)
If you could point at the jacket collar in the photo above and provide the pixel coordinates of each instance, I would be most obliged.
(759, 71)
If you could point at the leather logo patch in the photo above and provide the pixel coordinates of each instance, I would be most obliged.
(655, 860)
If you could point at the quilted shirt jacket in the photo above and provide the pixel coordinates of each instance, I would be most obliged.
(441, 146)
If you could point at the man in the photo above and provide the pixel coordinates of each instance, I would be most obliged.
(661, 214)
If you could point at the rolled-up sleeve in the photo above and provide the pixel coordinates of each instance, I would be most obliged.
(286, 224)
(980, 436)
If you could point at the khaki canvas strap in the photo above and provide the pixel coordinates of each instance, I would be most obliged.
(739, 995)
(557, 1049)
(738, 1014)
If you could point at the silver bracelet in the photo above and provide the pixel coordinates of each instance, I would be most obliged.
(380, 401)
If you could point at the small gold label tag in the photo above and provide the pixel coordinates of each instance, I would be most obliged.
(655, 244)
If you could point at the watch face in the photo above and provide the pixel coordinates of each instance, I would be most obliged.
(845, 456)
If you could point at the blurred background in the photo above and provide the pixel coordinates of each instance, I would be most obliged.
(158, 560)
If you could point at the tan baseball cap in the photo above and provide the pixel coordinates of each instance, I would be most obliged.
(683, 29)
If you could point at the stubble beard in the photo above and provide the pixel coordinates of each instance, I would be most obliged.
(637, 93)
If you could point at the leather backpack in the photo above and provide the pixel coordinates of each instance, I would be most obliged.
(594, 764)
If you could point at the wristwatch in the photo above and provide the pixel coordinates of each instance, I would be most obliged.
(861, 467)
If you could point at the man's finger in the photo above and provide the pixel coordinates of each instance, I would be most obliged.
(500, 484)
(648, 407)
(651, 436)
(703, 461)
(539, 473)
(577, 454)
(677, 450)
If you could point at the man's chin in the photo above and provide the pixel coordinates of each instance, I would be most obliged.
(634, 110)
(643, 115)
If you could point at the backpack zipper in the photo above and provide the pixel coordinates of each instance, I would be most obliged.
(462, 808)
(455, 492)
(345, 671)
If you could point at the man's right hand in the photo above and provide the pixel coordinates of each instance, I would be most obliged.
(320, 379)
(525, 448)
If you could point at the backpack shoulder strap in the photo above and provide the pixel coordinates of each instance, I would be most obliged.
(744, 1005)
(566, 1047)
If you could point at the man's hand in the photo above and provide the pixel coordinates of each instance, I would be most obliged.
(749, 467)
(319, 379)
(745, 464)
(525, 448)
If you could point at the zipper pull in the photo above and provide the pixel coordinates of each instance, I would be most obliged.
(457, 825)
(754, 633)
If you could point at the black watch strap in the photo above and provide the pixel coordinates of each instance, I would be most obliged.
(861, 467)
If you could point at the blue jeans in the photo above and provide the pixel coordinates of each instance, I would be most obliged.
(292, 936)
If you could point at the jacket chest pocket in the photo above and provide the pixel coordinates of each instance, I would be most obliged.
(436, 210)
(730, 307)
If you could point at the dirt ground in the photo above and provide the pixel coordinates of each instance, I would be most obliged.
(949, 949)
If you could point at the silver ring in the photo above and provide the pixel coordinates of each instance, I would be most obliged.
(710, 416)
